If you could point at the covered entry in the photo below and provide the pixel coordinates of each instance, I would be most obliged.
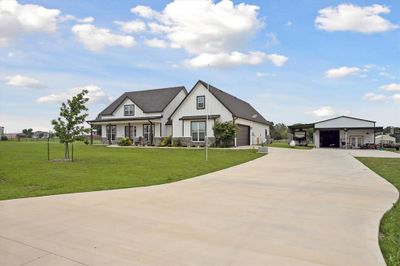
(243, 136)
(329, 138)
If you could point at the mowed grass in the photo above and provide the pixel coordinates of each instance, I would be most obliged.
(389, 231)
(26, 172)
(285, 145)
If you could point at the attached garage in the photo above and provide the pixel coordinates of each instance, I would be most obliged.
(243, 136)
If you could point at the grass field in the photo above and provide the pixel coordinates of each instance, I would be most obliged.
(25, 171)
(389, 231)
(285, 145)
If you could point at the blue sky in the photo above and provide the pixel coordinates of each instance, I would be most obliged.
(294, 61)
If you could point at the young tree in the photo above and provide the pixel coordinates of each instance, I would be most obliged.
(69, 125)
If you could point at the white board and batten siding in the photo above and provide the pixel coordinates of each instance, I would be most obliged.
(182, 128)
(189, 108)
(344, 122)
(119, 113)
(167, 129)
(257, 130)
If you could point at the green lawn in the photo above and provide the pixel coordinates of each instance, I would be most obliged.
(285, 145)
(389, 237)
(25, 171)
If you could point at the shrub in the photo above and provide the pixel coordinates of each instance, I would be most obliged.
(176, 143)
(125, 142)
(224, 133)
(86, 142)
(4, 138)
(166, 141)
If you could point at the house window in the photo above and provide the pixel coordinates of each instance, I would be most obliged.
(111, 132)
(198, 130)
(130, 132)
(129, 110)
(201, 102)
(148, 131)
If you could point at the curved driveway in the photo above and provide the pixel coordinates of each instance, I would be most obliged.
(292, 207)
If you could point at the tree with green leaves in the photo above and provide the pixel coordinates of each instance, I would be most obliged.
(69, 125)
(224, 133)
(279, 131)
(28, 132)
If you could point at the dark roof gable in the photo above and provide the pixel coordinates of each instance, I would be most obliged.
(150, 101)
(236, 106)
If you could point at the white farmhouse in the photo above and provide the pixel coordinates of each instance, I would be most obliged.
(148, 116)
(189, 119)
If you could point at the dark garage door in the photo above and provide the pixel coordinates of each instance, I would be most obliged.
(329, 138)
(243, 136)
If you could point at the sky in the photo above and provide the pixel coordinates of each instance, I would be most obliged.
(294, 61)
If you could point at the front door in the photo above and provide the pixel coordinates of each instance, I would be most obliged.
(148, 132)
(111, 132)
(356, 141)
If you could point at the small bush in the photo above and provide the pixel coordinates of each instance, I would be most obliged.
(125, 142)
(176, 143)
(86, 142)
(166, 141)
(224, 133)
(4, 138)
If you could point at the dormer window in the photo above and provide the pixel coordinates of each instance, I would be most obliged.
(129, 110)
(201, 102)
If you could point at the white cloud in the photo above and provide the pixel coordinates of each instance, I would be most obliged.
(95, 95)
(131, 26)
(386, 75)
(396, 98)
(263, 74)
(374, 97)
(16, 19)
(348, 17)
(391, 87)
(23, 81)
(234, 59)
(322, 112)
(144, 11)
(289, 23)
(158, 43)
(341, 72)
(214, 33)
(276, 59)
(95, 39)
(71, 17)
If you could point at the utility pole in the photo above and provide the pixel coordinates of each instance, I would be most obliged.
(206, 103)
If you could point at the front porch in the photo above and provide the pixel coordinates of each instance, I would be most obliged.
(143, 131)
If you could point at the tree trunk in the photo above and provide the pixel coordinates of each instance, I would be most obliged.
(66, 151)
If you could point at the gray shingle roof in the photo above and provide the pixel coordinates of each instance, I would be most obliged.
(236, 106)
(150, 101)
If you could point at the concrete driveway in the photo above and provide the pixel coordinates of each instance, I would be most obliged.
(292, 207)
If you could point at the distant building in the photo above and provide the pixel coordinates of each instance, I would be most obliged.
(385, 140)
(40, 135)
(395, 131)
